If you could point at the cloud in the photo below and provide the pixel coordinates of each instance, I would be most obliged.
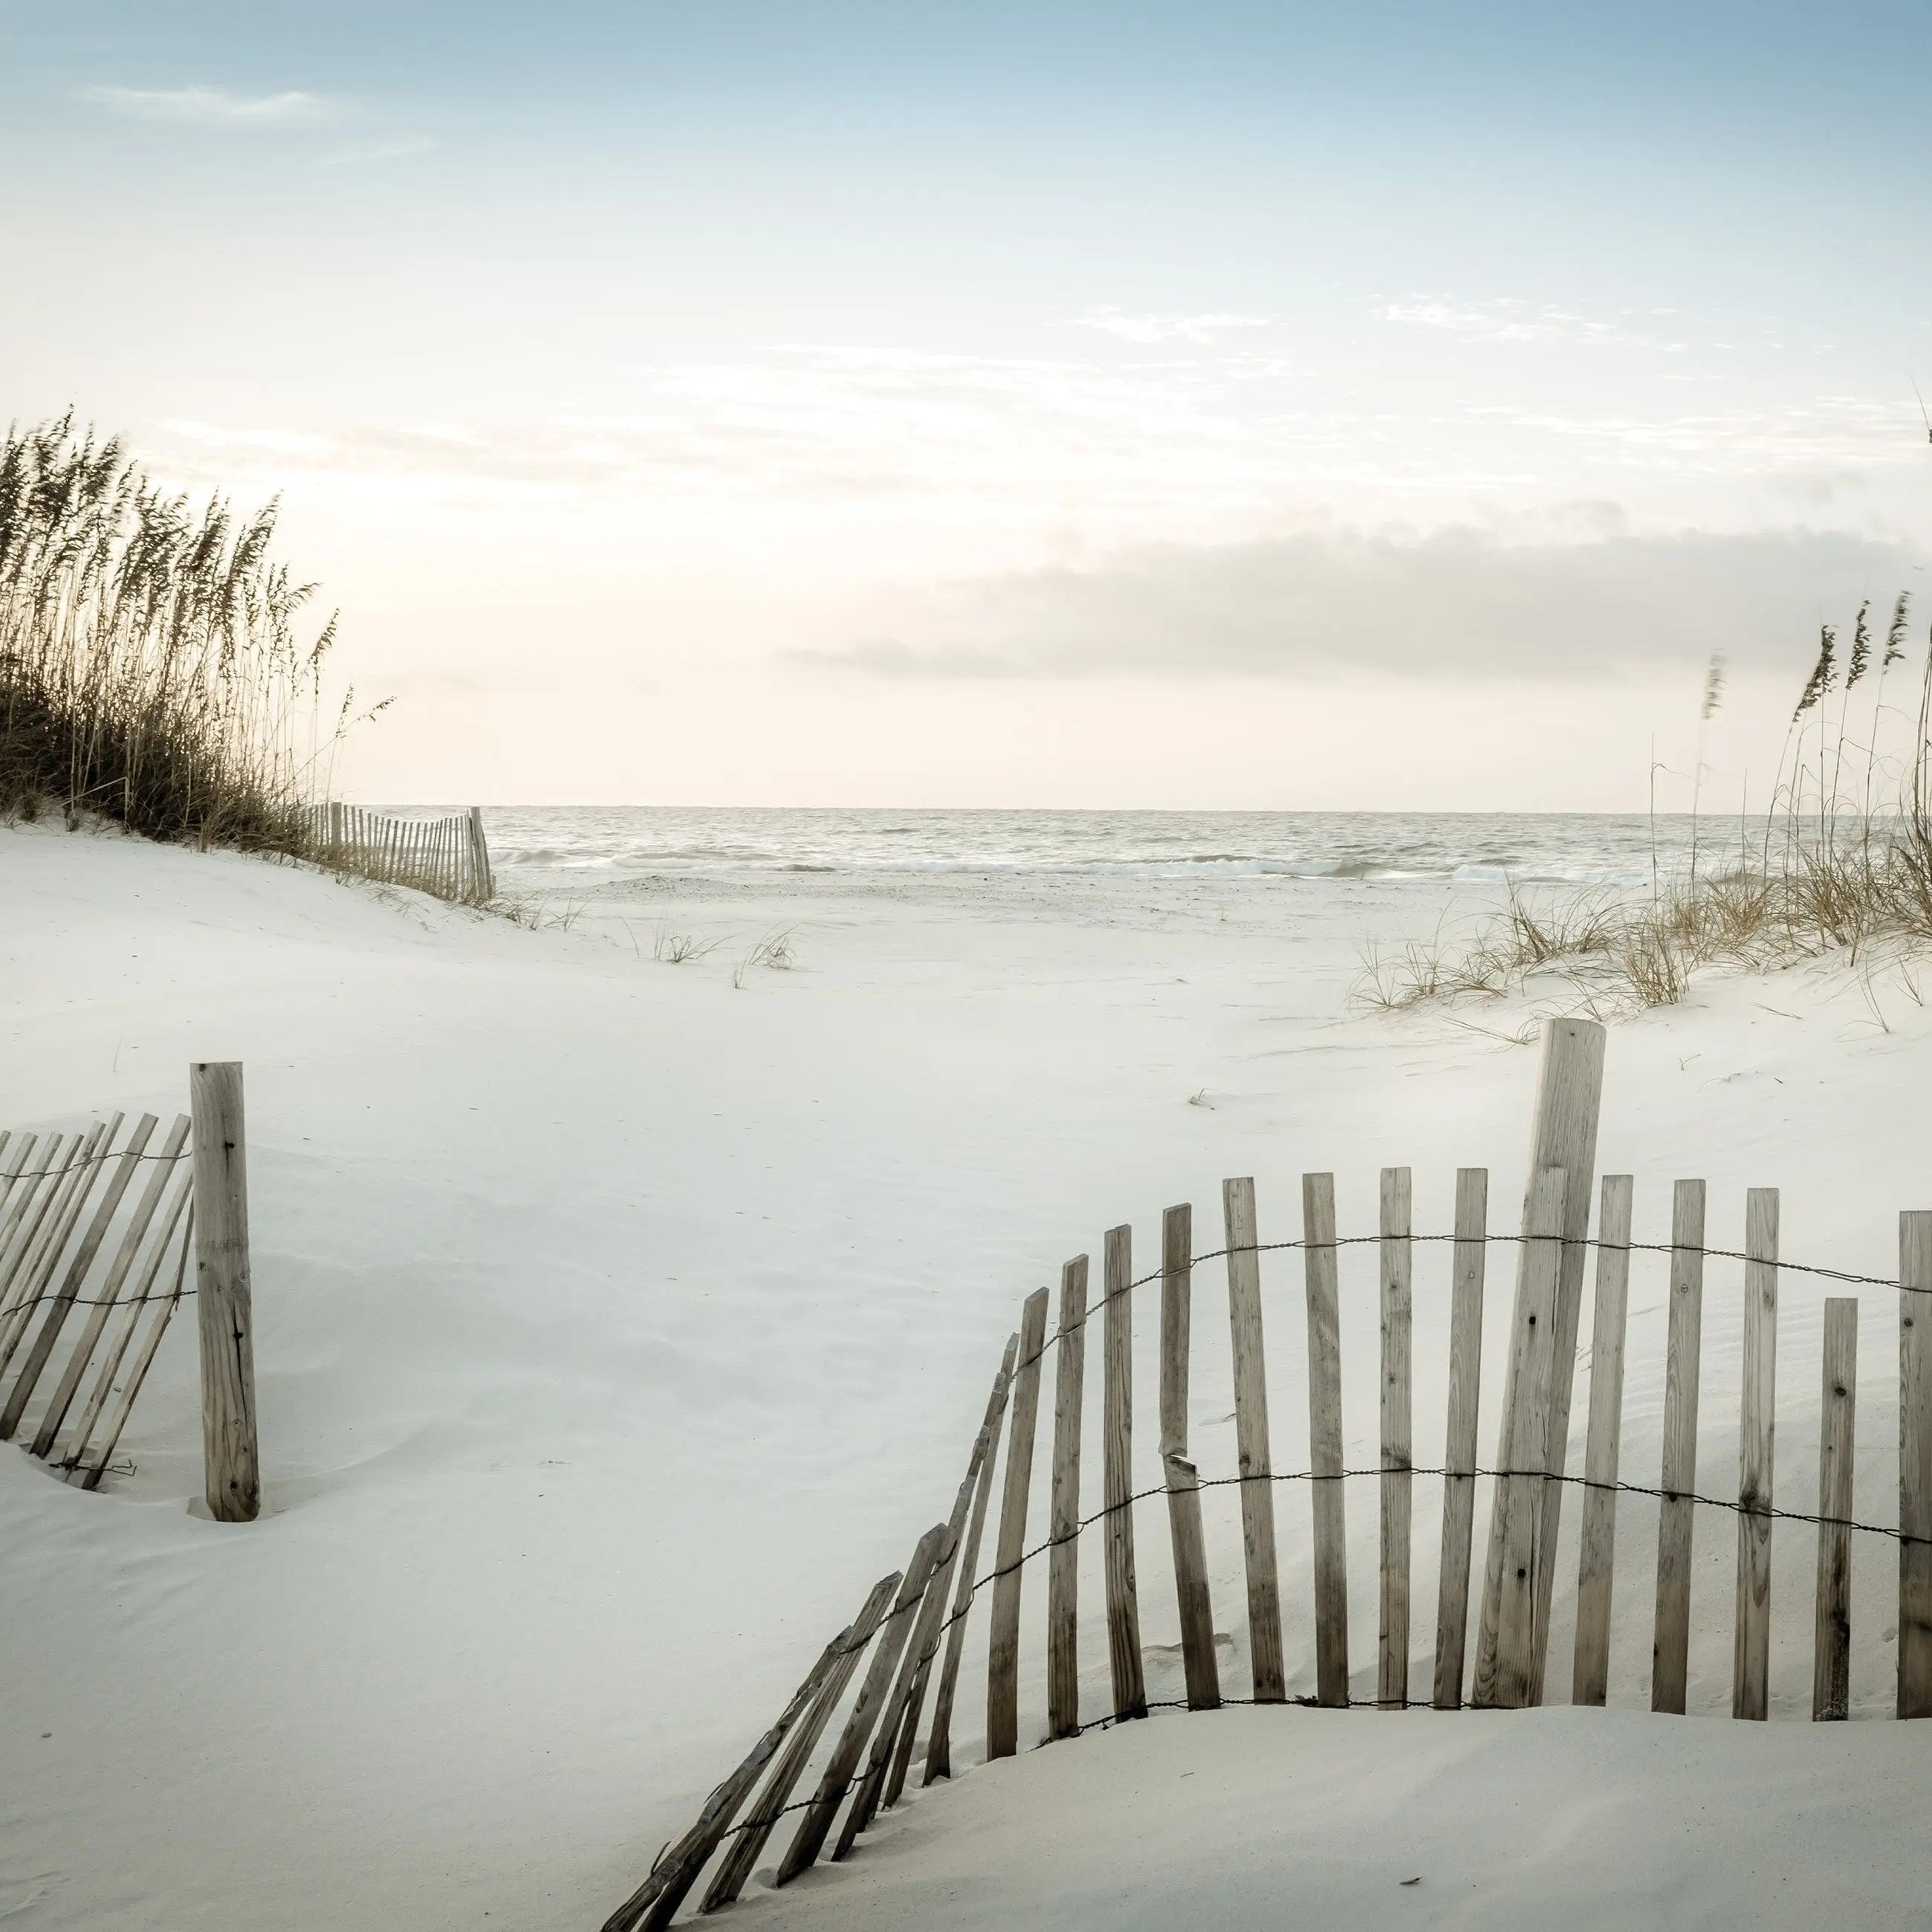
(1503, 319)
(396, 150)
(1199, 329)
(215, 106)
(1455, 605)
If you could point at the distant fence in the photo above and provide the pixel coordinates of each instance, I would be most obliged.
(448, 857)
(96, 1230)
(914, 1620)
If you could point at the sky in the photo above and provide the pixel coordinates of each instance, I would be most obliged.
(1391, 405)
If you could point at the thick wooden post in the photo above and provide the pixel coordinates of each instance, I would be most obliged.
(483, 883)
(1670, 1649)
(1182, 1479)
(1831, 1633)
(1398, 1440)
(1002, 1654)
(1327, 1501)
(1062, 1567)
(1471, 1253)
(1123, 1614)
(1750, 1656)
(231, 1457)
(1563, 1134)
(1590, 1670)
(1914, 1465)
(1251, 1440)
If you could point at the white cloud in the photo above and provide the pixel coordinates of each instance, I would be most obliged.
(1200, 330)
(396, 150)
(215, 106)
(1504, 319)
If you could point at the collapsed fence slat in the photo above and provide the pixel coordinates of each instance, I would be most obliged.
(1182, 1479)
(1063, 1573)
(1003, 1655)
(1253, 1449)
(1831, 1631)
(1670, 1654)
(1597, 1557)
(939, 1747)
(1470, 1256)
(1328, 1502)
(816, 1825)
(749, 1841)
(1914, 1465)
(1396, 1484)
(1750, 1663)
(1123, 1614)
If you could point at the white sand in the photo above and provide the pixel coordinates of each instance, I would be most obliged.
(616, 1328)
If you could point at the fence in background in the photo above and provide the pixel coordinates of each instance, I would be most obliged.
(96, 1230)
(448, 858)
(914, 1623)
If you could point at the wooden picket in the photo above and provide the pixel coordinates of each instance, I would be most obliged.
(448, 857)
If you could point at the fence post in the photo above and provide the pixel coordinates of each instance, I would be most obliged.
(1831, 1635)
(1251, 1436)
(1182, 1478)
(1396, 1483)
(479, 857)
(1670, 1648)
(1459, 1453)
(1590, 1668)
(1003, 1652)
(231, 1456)
(1329, 1505)
(1063, 1572)
(1914, 1465)
(1751, 1661)
(1124, 1615)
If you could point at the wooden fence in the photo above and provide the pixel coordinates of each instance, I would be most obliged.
(96, 1228)
(448, 858)
(915, 1623)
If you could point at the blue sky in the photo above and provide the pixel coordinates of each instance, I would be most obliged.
(860, 402)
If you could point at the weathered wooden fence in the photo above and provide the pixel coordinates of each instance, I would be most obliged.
(915, 1623)
(97, 1227)
(448, 857)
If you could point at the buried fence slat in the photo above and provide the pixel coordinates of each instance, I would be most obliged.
(1832, 1632)
(749, 1839)
(1521, 1480)
(1003, 1653)
(939, 1745)
(1590, 1670)
(655, 1902)
(31, 1284)
(1063, 1573)
(1914, 1465)
(1252, 1445)
(1396, 1484)
(1123, 1614)
(1328, 1502)
(110, 1287)
(1459, 1454)
(1182, 1479)
(809, 1840)
(61, 1304)
(1751, 1658)
(1670, 1650)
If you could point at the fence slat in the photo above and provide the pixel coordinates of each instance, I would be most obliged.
(1914, 1465)
(1123, 1614)
(31, 1280)
(814, 1826)
(1590, 1672)
(1062, 1574)
(29, 1207)
(1513, 1682)
(749, 1841)
(1670, 1651)
(482, 883)
(1002, 1654)
(1750, 1660)
(1182, 1480)
(1398, 1446)
(1470, 1254)
(1251, 1439)
(1831, 1633)
(1328, 1502)
(939, 1746)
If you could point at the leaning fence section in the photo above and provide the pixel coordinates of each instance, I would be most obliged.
(448, 857)
(851, 1732)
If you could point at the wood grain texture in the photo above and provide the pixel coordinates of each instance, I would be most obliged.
(1251, 1446)
(1198, 1662)
(52, 1228)
(1328, 1498)
(1750, 1648)
(1396, 1483)
(1914, 1465)
(1062, 1571)
(231, 1454)
(1123, 1614)
(1831, 1628)
(1469, 1256)
(1590, 1669)
(1670, 1648)
(1003, 1655)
